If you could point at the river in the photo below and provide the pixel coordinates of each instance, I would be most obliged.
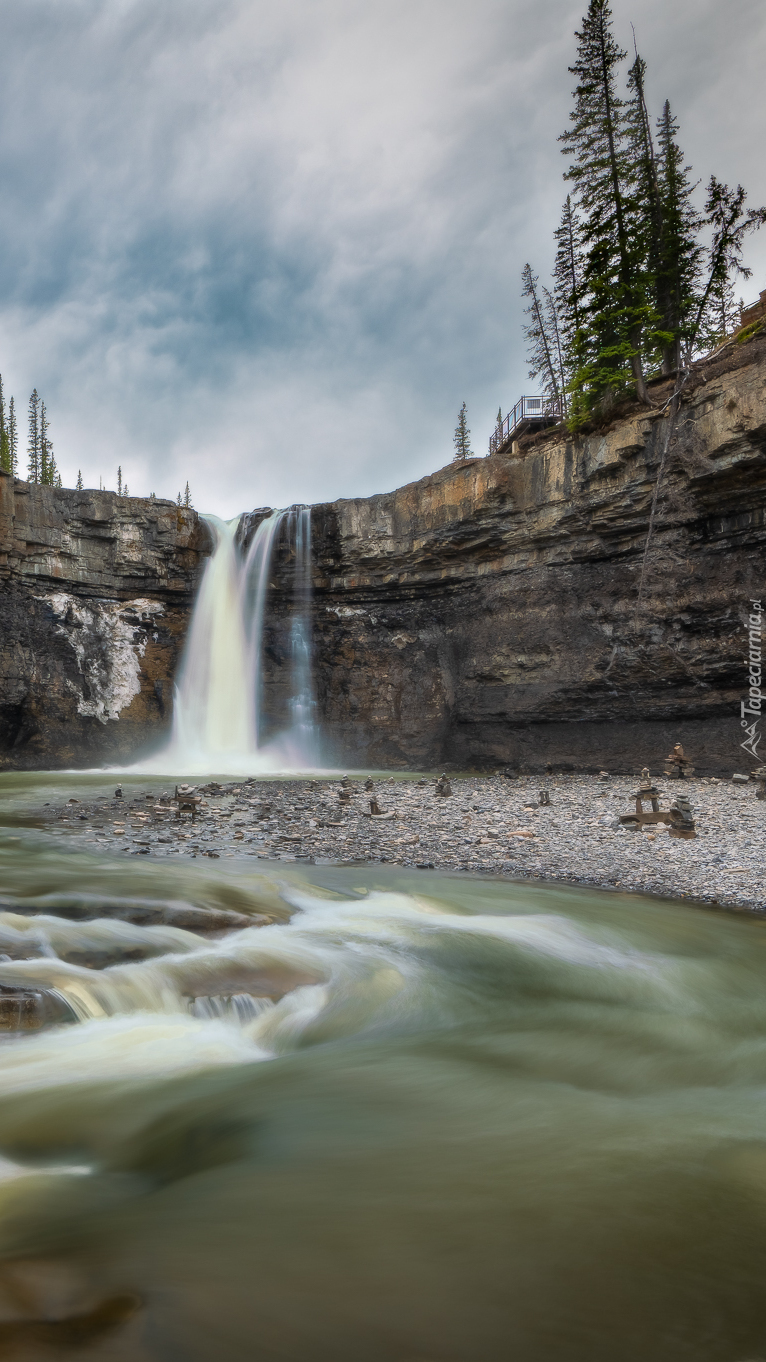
(418, 1118)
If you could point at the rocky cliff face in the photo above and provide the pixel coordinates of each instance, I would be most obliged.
(95, 592)
(490, 613)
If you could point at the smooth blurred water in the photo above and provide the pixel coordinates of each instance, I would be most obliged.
(421, 1118)
(218, 705)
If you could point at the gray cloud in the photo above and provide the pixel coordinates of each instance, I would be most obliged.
(271, 247)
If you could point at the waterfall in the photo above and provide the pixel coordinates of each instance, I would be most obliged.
(218, 714)
(302, 704)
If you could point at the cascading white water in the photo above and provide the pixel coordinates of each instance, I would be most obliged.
(213, 713)
(302, 732)
(218, 710)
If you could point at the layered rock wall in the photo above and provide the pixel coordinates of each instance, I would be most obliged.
(95, 592)
(490, 613)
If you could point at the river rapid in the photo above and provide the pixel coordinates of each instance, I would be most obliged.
(418, 1118)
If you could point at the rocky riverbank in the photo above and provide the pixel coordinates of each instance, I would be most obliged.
(491, 825)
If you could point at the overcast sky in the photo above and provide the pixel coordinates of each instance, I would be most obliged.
(271, 245)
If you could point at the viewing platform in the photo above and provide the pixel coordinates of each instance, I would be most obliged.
(529, 413)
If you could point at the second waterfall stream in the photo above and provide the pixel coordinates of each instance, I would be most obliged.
(218, 713)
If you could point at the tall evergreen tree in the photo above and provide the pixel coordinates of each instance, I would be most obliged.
(462, 437)
(680, 256)
(541, 356)
(13, 436)
(187, 498)
(47, 475)
(730, 223)
(647, 222)
(119, 481)
(33, 439)
(78, 484)
(600, 168)
(556, 346)
(5, 444)
(569, 296)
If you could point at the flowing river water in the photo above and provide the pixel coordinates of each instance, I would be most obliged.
(418, 1118)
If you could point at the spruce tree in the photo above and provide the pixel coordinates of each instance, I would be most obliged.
(600, 168)
(5, 444)
(187, 498)
(47, 471)
(13, 437)
(542, 354)
(33, 440)
(462, 437)
(556, 345)
(730, 223)
(6, 463)
(119, 481)
(680, 256)
(647, 225)
(569, 296)
(179, 502)
(78, 484)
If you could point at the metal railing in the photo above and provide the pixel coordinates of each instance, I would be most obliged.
(526, 409)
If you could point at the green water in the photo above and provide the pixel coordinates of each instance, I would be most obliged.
(421, 1119)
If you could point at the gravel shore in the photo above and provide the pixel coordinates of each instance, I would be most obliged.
(489, 824)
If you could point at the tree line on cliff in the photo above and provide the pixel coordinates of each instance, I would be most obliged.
(41, 462)
(41, 459)
(642, 277)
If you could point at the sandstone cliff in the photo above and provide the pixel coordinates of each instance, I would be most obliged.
(485, 615)
(95, 592)
(488, 613)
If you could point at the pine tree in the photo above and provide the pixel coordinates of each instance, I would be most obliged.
(725, 214)
(187, 498)
(647, 225)
(569, 296)
(33, 440)
(462, 437)
(178, 500)
(125, 491)
(119, 481)
(47, 473)
(5, 444)
(680, 256)
(6, 462)
(615, 309)
(541, 357)
(78, 484)
(721, 315)
(13, 437)
(556, 345)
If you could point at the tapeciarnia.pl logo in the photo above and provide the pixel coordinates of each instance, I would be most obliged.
(750, 709)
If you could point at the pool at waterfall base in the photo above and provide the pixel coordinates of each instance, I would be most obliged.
(408, 1117)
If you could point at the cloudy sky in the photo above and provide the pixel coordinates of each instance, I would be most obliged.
(271, 245)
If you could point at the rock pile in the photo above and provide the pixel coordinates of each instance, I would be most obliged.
(489, 824)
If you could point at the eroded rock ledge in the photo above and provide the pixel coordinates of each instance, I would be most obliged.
(95, 593)
(488, 613)
(485, 615)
